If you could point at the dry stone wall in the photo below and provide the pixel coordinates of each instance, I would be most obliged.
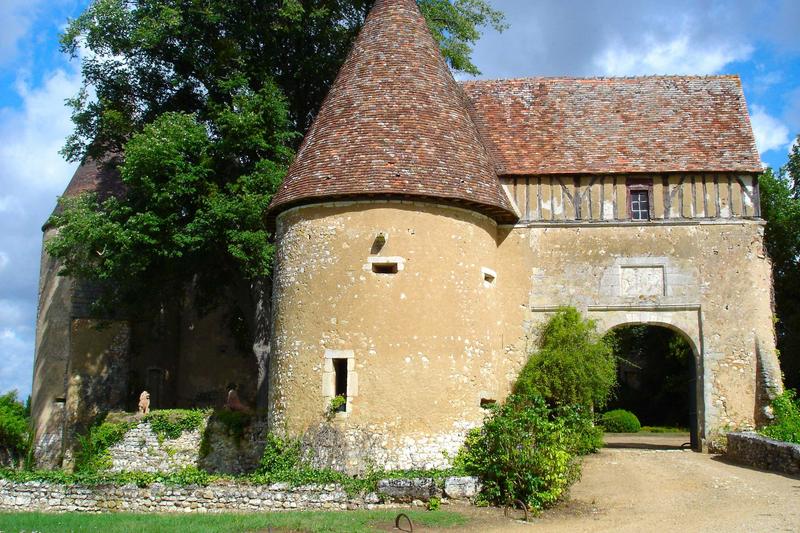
(222, 497)
(141, 450)
(211, 447)
(756, 450)
(45, 497)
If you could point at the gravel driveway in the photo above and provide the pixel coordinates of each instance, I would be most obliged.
(646, 483)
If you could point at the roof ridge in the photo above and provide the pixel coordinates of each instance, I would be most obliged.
(606, 78)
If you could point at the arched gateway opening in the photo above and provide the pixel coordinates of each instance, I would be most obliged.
(657, 374)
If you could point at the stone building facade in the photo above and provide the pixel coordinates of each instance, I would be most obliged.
(426, 227)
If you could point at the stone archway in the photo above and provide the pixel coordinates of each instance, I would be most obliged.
(684, 320)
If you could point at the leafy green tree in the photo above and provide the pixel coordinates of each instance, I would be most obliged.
(780, 207)
(14, 429)
(573, 365)
(207, 100)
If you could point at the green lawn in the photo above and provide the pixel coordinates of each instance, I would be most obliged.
(305, 521)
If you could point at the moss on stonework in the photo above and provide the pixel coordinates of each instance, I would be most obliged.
(171, 423)
(93, 448)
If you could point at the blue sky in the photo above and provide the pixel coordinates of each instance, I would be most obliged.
(757, 40)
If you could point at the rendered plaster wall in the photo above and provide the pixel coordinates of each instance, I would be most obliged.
(425, 345)
(711, 281)
(50, 365)
(421, 344)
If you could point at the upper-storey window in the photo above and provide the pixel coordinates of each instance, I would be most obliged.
(639, 194)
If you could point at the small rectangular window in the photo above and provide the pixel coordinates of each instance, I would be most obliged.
(640, 205)
(340, 381)
(639, 193)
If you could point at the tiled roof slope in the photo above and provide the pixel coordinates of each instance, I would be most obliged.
(395, 124)
(610, 125)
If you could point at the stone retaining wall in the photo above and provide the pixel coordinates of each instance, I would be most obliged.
(216, 498)
(756, 450)
(141, 450)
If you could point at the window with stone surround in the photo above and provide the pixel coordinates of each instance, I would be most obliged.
(339, 379)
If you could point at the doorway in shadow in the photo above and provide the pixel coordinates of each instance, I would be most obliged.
(657, 381)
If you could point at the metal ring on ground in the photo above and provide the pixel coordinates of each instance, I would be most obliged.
(397, 522)
(521, 505)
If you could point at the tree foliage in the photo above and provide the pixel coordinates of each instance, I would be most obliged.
(573, 365)
(780, 207)
(147, 57)
(786, 425)
(207, 100)
(14, 428)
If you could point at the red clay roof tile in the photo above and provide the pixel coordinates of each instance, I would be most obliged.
(395, 124)
(615, 125)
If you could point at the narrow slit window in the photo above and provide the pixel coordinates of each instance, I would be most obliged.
(340, 381)
(384, 268)
(489, 276)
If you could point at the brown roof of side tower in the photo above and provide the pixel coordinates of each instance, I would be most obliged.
(395, 124)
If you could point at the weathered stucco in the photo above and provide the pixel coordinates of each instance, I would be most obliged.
(423, 342)
(50, 364)
(709, 280)
(454, 324)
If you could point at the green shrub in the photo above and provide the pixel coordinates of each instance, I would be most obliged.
(573, 364)
(786, 425)
(14, 425)
(280, 456)
(171, 423)
(92, 454)
(583, 436)
(434, 504)
(620, 421)
(520, 453)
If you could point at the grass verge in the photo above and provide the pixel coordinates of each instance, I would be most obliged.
(306, 521)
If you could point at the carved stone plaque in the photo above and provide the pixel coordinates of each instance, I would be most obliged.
(642, 281)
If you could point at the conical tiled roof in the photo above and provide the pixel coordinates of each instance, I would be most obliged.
(395, 124)
(95, 176)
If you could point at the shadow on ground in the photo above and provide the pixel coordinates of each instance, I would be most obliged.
(647, 441)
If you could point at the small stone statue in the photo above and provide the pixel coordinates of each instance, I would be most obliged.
(233, 402)
(144, 403)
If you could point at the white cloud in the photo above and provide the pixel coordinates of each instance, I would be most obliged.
(32, 175)
(676, 56)
(16, 17)
(33, 135)
(770, 132)
(16, 371)
(11, 314)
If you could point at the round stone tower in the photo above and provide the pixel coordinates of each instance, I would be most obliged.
(385, 284)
